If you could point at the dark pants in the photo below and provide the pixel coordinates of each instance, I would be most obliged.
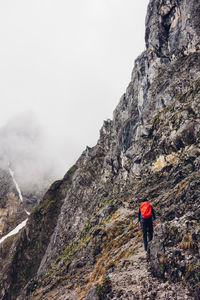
(147, 228)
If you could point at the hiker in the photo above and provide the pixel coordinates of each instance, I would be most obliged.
(146, 217)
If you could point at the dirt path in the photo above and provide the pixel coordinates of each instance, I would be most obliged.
(132, 280)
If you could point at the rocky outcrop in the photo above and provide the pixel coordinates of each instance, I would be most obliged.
(11, 212)
(172, 28)
(82, 242)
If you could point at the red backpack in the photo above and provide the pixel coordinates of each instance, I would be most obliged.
(145, 210)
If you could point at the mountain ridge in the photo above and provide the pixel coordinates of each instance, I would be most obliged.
(84, 232)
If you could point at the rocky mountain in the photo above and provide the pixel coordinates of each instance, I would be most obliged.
(15, 204)
(26, 170)
(9, 203)
(83, 241)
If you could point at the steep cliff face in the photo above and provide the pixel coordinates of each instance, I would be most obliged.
(82, 242)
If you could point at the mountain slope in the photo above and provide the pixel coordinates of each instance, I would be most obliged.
(82, 241)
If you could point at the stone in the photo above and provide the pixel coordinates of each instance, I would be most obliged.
(92, 294)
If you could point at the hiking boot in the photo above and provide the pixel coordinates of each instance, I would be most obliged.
(148, 253)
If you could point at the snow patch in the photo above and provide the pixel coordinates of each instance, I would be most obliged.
(27, 212)
(16, 184)
(14, 231)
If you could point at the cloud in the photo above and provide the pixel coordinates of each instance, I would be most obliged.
(31, 152)
(69, 62)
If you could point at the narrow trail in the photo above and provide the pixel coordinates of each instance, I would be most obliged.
(130, 279)
(133, 280)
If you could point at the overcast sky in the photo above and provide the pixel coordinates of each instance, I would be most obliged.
(68, 61)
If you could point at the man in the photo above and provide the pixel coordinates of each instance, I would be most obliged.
(146, 217)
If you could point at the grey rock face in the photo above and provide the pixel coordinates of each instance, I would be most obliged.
(172, 27)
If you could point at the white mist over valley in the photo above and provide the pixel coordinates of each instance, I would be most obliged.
(30, 153)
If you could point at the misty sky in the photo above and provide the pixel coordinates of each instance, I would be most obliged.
(68, 62)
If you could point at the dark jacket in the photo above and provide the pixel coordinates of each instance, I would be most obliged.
(153, 215)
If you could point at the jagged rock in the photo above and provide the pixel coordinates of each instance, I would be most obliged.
(172, 27)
